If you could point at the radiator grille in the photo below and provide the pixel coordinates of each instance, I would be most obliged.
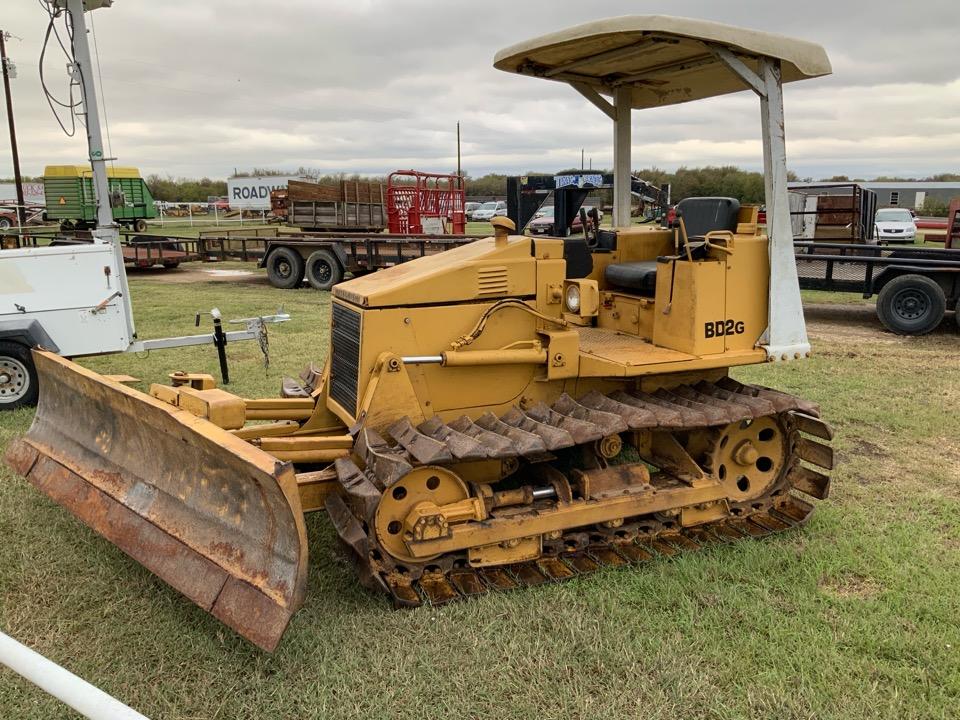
(492, 281)
(345, 356)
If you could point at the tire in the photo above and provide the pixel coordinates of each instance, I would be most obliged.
(18, 376)
(911, 305)
(957, 314)
(285, 268)
(66, 225)
(139, 225)
(5, 223)
(323, 269)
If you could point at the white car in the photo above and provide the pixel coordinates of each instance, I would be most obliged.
(489, 210)
(895, 225)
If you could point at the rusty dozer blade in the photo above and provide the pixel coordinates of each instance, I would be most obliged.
(213, 516)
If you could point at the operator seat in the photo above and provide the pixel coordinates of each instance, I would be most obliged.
(701, 215)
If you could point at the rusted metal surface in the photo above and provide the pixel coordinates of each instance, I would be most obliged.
(214, 517)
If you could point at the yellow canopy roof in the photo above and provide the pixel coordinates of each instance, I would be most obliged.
(85, 171)
(664, 60)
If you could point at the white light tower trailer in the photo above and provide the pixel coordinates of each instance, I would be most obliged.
(74, 299)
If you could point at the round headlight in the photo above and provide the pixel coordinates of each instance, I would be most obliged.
(573, 298)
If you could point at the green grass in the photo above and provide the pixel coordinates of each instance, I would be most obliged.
(853, 616)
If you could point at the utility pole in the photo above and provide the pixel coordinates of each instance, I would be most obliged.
(4, 36)
(107, 230)
(459, 173)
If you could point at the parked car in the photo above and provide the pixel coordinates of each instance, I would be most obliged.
(490, 210)
(470, 208)
(895, 225)
(542, 224)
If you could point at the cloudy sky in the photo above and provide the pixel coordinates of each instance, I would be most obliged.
(200, 87)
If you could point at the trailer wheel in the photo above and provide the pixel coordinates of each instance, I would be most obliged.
(323, 270)
(5, 223)
(911, 305)
(285, 268)
(18, 376)
(140, 225)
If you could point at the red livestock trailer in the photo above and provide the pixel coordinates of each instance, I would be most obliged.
(413, 197)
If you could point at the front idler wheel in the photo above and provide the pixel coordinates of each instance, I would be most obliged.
(395, 522)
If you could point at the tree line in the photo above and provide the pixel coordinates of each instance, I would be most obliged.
(724, 181)
(727, 181)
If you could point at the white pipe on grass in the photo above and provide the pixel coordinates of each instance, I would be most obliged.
(86, 699)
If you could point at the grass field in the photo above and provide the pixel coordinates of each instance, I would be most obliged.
(856, 615)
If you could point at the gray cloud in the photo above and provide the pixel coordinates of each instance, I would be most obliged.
(373, 85)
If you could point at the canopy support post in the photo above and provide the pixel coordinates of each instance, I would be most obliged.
(622, 103)
(786, 334)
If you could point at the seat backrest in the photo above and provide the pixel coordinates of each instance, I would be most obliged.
(706, 214)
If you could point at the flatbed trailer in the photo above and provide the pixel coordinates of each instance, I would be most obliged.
(324, 258)
(139, 251)
(915, 286)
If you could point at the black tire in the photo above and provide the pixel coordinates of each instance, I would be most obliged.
(139, 225)
(5, 223)
(911, 305)
(18, 376)
(285, 268)
(323, 269)
(957, 314)
(66, 225)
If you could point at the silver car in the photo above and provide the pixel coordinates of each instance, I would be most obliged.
(895, 225)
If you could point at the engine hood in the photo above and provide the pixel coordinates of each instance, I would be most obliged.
(481, 270)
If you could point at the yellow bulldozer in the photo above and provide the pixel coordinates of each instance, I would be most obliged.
(510, 412)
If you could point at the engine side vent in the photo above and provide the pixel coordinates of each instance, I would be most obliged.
(345, 356)
(492, 281)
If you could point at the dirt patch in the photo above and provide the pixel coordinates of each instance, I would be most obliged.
(867, 449)
(843, 323)
(201, 272)
(851, 586)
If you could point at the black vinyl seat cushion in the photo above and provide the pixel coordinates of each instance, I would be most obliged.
(640, 276)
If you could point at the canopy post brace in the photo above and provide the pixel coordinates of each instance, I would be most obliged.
(623, 106)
